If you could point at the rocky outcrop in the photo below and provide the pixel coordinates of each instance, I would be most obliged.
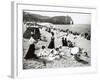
(54, 20)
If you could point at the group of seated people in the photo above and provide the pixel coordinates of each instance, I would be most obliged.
(50, 54)
(67, 43)
(87, 36)
(58, 53)
(80, 55)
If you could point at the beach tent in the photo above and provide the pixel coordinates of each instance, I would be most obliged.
(35, 30)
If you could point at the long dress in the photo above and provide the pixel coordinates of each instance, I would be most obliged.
(66, 42)
(51, 45)
(63, 42)
(31, 51)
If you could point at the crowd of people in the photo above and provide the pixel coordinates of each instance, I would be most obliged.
(51, 52)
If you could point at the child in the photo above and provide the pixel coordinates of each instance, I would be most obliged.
(42, 52)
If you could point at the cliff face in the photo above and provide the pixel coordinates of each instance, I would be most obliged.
(40, 18)
(69, 20)
(61, 20)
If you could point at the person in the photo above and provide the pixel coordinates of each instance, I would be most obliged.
(86, 35)
(42, 52)
(51, 45)
(56, 53)
(32, 40)
(36, 33)
(61, 53)
(78, 58)
(49, 30)
(86, 54)
(63, 42)
(50, 56)
(74, 50)
(70, 44)
(31, 51)
(66, 42)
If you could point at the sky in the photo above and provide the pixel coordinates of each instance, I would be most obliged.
(76, 17)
